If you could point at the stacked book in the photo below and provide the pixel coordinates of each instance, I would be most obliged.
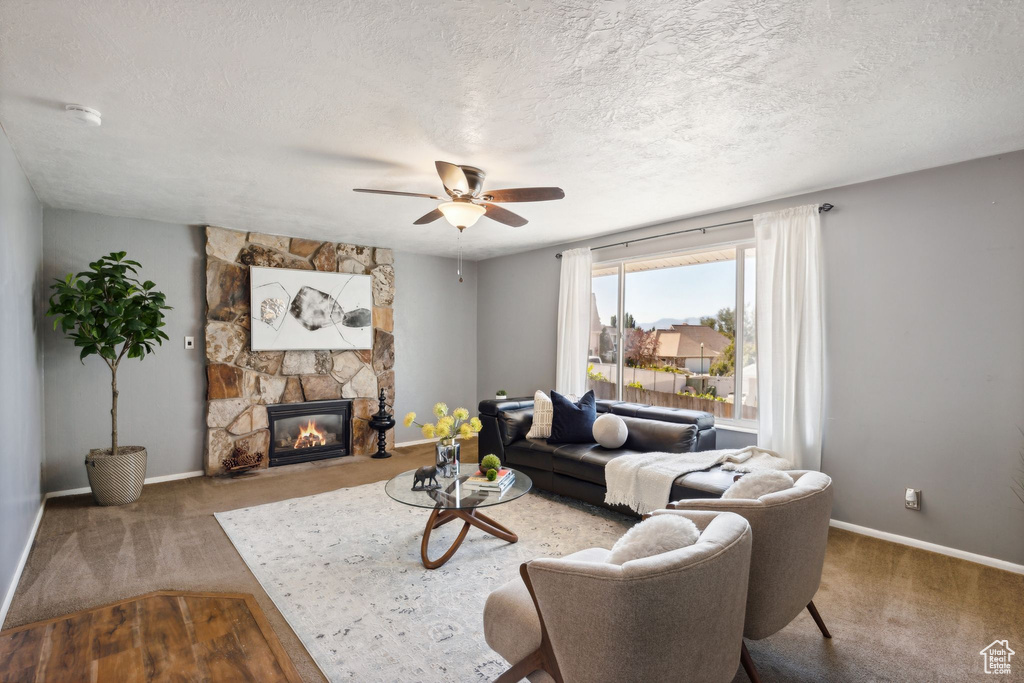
(479, 482)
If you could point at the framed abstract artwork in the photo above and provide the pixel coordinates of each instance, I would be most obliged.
(310, 310)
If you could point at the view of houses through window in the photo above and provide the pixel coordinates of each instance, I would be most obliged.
(677, 342)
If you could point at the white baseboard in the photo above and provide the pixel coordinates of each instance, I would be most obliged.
(9, 597)
(933, 547)
(149, 480)
(414, 443)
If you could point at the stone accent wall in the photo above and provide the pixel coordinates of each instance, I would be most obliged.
(242, 382)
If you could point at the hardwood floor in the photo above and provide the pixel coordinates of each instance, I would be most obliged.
(166, 635)
(85, 555)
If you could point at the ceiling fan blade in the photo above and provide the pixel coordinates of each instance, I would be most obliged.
(428, 218)
(400, 194)
(453, 177)
(525, 194)
(497, 213)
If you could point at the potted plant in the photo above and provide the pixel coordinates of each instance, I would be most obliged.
(108, 313)
(447, 430)
(502, 395)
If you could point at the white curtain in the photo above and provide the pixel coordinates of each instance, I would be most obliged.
(573, 322)
(790, 334)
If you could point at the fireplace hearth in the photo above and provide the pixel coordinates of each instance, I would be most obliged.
(316, 430)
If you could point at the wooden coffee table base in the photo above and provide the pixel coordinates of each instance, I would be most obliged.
(470, 517)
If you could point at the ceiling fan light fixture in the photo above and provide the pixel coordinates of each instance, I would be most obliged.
(462, 214)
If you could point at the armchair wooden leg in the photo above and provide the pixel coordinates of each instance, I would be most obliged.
(817, 619)
(748, 665)
(543, 658)
(523, 668)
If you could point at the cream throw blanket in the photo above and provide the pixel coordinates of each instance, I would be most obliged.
(643, 481)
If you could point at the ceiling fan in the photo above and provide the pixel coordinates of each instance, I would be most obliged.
(467, 200)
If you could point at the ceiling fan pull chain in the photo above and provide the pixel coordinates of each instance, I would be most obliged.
(459, 270)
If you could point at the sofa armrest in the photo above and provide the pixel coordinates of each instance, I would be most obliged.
(492, 406)
(509, 422)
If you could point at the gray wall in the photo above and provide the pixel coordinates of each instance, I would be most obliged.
(922, 271)
(161, 399)
(21, 373)
(435, 338)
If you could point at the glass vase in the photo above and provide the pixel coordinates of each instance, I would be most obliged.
(447, 459)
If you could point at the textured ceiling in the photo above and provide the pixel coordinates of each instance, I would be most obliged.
(264, 114)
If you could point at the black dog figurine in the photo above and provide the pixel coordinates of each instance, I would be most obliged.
(424, 475)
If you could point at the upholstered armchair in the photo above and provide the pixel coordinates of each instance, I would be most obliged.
(790, 535)
(670, 617)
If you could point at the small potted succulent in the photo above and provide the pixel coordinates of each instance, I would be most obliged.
(109, 313)
(502, 395)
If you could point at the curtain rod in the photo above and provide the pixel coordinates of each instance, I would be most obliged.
(824, 208)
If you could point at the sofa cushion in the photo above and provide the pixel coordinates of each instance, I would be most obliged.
(703, 420)
(652, 435)
(710, 483)
(573, 421)
(585, 461)
(513, 424)
(535, 453)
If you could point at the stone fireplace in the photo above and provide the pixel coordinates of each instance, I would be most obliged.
(245, 386)
(302, 432)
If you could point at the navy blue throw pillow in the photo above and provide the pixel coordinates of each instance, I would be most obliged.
(572, 422)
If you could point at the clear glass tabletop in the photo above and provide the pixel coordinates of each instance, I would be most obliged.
(452, 495)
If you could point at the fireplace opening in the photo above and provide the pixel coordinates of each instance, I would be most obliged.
(301, 432)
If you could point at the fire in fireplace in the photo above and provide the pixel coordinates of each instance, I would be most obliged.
(300, 432)
(309, 436)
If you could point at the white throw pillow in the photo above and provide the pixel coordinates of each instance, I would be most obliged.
(757, 484)
(653, 536)
(610, 430)
(543, 411)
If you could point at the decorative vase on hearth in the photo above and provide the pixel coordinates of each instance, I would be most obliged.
(447, 459)
(382, 421)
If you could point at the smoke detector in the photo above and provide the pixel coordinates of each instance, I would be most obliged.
(84, 115)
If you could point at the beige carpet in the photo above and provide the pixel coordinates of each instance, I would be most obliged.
(896, 613)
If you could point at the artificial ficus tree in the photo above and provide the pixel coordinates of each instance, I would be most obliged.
(108, 313)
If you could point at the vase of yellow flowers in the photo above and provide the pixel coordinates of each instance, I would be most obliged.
(448, 429)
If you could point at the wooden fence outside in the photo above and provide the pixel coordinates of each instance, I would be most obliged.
(606, 390)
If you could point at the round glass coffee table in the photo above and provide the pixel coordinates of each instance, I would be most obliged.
(452, 501)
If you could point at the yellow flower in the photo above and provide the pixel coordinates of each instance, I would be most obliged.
(447, 420)
(428, 431)
(443, 431)
(464, 431)
(440, 409)
(475, 424)
(409, 417)
(461, 414)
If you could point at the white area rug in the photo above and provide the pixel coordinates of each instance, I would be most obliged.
(344, 569)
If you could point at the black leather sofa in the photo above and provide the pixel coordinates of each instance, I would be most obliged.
(577, 470)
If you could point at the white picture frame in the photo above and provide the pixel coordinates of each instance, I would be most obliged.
(309, 310)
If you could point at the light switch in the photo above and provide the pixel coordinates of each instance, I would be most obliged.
(190, 342)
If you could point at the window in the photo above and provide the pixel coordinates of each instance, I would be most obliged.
(667, 326)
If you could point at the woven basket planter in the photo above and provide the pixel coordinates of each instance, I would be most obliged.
(116, 480)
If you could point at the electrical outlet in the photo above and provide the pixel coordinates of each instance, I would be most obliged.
(190, 343)
(912, 499)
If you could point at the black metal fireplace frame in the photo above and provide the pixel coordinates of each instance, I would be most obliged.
(342, 407)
